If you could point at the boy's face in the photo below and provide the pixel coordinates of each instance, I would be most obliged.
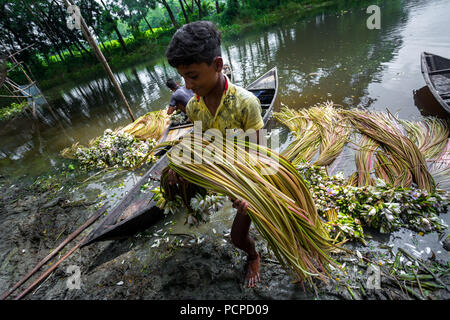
(201, 77)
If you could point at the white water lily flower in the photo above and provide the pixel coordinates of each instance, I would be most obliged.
(380, 182)
(339, 175)
(389, 216)
(359, 254)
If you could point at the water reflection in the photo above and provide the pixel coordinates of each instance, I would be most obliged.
(327, 57)
(427, 104)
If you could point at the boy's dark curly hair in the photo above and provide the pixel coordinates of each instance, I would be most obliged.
(195, 42)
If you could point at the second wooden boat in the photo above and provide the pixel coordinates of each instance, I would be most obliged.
(436, 72)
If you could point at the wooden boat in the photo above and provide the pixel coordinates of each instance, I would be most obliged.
(436, 72)
(137, 211)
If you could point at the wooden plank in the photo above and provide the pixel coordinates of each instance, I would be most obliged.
(443, 71)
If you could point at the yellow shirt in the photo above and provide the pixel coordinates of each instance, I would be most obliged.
(238, 109)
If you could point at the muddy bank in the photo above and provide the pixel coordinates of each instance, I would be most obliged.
(160, 264)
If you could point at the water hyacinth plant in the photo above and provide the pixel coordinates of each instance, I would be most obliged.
(200, 209)
(123, 147)
(280, 205)
(177, 118)
(114, 149)
(382, 206)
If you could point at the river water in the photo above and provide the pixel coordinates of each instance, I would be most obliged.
(328, 57)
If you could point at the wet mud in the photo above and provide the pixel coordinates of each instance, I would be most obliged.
(160, 264)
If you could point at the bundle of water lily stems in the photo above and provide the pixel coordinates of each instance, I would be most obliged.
(280, 204)
(147, 127)
(396, 151)
(402, 159)
(319, 126)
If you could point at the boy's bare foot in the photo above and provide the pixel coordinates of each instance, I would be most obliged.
(252, 271)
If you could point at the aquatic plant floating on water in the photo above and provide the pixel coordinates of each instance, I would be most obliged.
(381, 206)
(114, 150)
(280, 204)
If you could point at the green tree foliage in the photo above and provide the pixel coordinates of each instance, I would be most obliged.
(231, 12)
(53, 49)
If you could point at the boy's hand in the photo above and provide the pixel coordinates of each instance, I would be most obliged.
(174, 178)
(171, 110)
(241, 206)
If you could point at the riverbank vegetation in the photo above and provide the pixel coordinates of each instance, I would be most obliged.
(127, 31)
(13, 110)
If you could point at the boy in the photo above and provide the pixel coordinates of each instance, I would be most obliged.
(180, 97)
(196, 54)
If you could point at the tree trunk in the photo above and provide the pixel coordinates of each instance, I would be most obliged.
(70, 50)
(99, 38)
(116, 30)
(199, 6)
(217, 7)
(122, 43)
(186, 18)
(59, 55)
(81, 45)
(148, 24)
(172, 17)
(188, 7)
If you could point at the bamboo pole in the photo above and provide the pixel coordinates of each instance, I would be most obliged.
(54, 252)
(101, 58)
(50, 270)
